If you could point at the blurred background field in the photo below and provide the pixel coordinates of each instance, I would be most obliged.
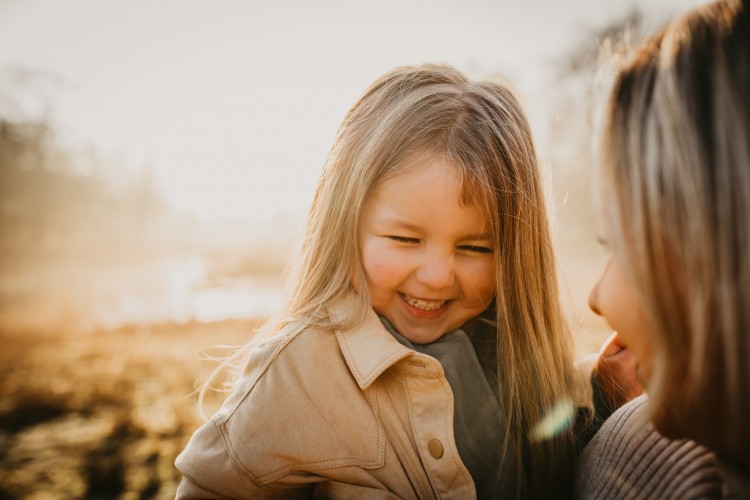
(153, 188)
(101, 414)
(111, 308)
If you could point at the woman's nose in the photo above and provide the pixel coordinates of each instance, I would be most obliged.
(593, 299)
(437, 270)
(594, 294)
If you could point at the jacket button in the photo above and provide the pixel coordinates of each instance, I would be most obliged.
(435, 448)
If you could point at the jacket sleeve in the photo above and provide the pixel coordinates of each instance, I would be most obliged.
(297, 418)
(189, 489)
(210, 472)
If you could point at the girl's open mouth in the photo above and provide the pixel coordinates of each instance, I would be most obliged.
(424, 304)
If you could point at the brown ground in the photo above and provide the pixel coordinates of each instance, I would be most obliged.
(101, 415)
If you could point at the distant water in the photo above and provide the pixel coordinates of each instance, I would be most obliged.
(179, 290)
(175, 289)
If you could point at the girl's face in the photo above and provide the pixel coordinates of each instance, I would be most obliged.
(614, 298)
(428, 259)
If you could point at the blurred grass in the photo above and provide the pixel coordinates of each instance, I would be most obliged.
(102, 414)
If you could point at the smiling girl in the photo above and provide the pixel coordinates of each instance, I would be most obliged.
(423, 345)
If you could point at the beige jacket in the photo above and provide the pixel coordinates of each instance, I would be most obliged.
(350, 414)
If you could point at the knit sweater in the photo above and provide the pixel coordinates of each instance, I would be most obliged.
(628, 458)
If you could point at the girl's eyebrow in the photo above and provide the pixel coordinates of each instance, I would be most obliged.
(394, 223)
(477, 236)
(400, 224)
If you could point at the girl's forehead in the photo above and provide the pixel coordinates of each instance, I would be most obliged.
(425, 191)
(413, 164)
(430, 164)
(427, 205)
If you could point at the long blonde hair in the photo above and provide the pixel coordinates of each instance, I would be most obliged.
(480, 128)
(676, 167)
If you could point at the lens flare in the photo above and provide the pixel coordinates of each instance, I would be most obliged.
(557, 420)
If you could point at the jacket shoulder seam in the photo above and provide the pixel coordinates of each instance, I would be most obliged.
(222, 417)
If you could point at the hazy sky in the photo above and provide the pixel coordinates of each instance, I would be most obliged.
(234, 104)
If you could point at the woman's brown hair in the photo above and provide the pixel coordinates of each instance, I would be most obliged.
(676, 180)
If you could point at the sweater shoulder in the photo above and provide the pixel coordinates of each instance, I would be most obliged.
(629, 458)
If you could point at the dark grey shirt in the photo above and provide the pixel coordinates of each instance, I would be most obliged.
(477, 417)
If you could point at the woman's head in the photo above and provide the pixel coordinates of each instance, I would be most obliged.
(676, 187)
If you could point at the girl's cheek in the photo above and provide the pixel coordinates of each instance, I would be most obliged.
(482, 281)
(384, 264)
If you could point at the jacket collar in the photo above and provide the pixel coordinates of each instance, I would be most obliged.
(369, 349)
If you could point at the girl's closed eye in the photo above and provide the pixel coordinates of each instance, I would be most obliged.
(403, 239)
(476, 249)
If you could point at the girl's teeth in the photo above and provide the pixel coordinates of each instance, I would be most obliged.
(425, 305)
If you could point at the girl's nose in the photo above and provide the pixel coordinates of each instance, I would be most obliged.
(437, 271)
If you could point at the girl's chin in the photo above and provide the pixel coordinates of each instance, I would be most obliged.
(419, 334)
(420, 338)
